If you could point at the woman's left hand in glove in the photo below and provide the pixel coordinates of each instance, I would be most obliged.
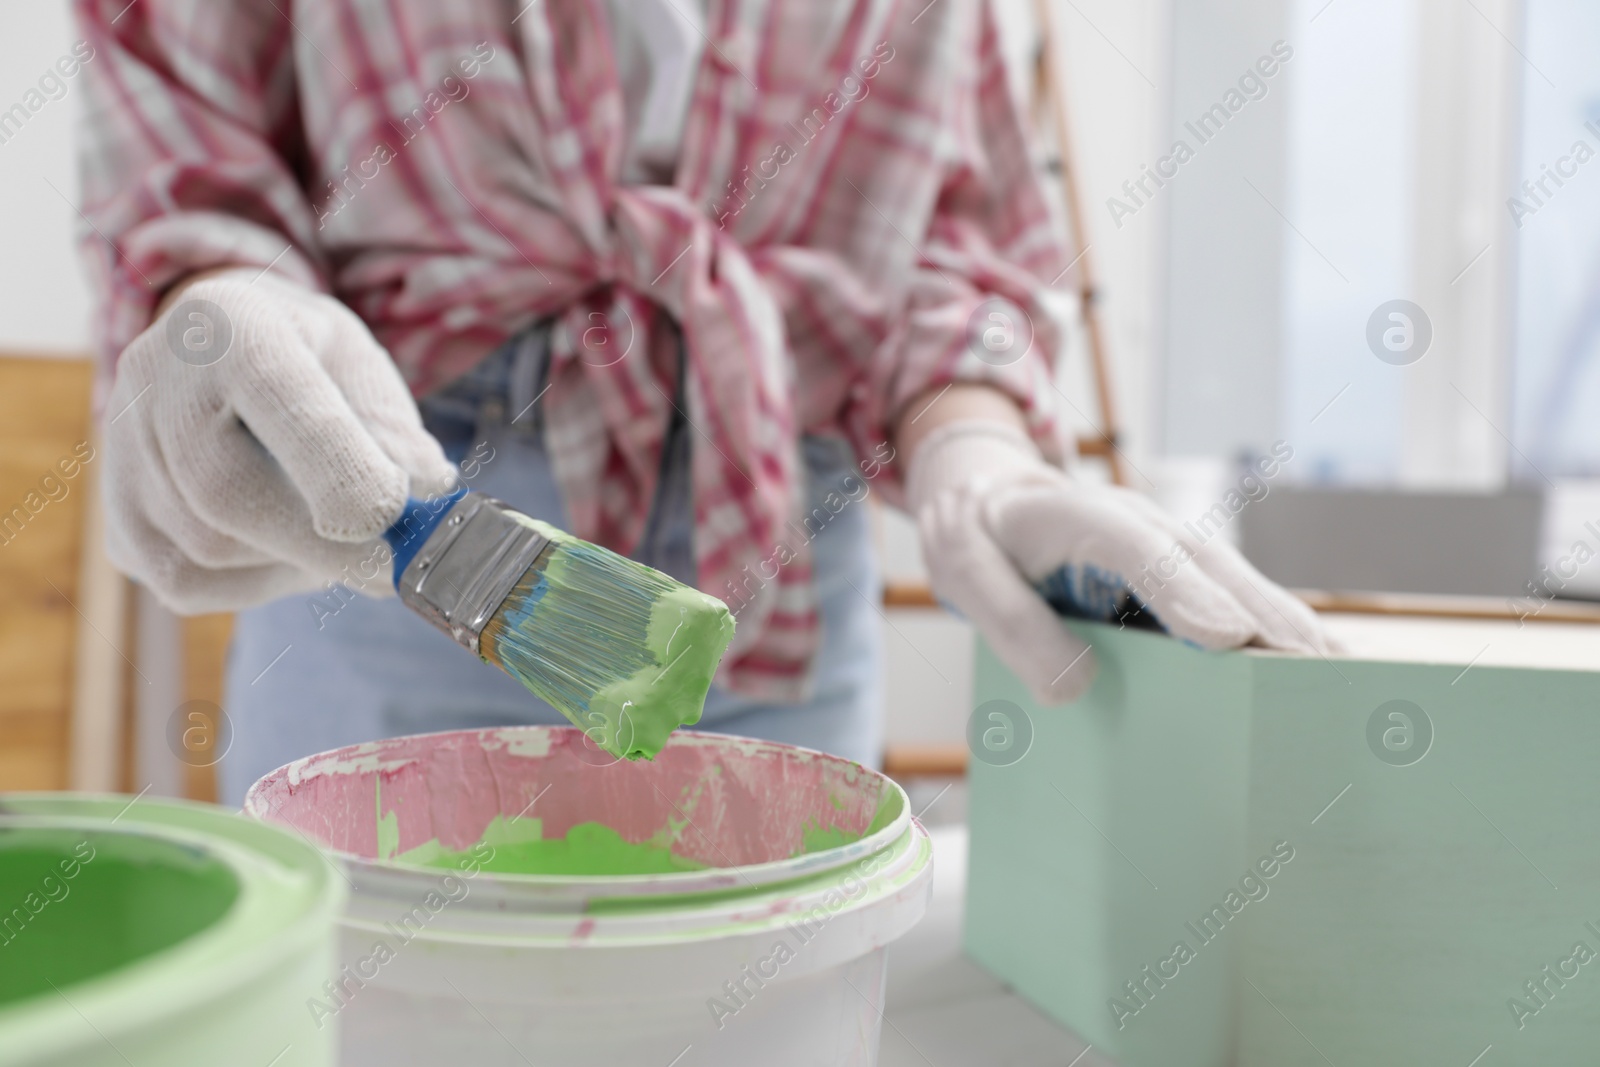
(1015, 543)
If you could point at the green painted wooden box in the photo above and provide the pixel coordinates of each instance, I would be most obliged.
(1270, 861)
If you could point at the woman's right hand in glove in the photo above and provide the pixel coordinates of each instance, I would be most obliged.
(258, 442)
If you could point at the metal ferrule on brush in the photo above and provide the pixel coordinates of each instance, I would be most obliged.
(468, 566)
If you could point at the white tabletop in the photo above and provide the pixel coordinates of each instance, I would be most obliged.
(946, 1011)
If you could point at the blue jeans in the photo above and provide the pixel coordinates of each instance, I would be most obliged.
(319, 671)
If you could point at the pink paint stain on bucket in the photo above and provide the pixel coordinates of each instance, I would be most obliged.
(521, 898)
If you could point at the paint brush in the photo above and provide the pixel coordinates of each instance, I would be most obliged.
(623, 651)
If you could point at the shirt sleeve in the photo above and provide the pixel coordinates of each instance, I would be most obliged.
(976, 307)
(191, 152)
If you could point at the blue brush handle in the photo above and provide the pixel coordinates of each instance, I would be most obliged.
(415, 525)
(1085, 591)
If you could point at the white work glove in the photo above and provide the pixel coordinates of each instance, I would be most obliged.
(258, 442)
(997, 523)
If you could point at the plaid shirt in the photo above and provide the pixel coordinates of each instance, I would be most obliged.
(853, 183)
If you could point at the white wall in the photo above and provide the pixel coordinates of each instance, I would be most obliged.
(1457, 398)
(1118, 85)
(1223, 338)
(44, 302)
(1352, 102)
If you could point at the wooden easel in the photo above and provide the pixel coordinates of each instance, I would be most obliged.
(1050, 94)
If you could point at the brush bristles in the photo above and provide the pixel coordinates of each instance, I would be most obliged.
(592, 633)
(566, 647)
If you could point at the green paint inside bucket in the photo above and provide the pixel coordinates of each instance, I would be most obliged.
(75, 904)
(519, 847)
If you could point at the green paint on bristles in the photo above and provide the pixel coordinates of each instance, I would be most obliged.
(623, 651)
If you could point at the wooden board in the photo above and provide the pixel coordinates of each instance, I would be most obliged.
(44, 417)
(205, 649)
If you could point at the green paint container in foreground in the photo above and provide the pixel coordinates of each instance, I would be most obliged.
(160, 932)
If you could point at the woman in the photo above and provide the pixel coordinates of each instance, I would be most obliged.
(679, 275)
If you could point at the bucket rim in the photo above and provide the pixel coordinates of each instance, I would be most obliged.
(194, 972)
(392, 878)
(902, 870)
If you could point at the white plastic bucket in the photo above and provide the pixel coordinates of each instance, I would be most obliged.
(772, 953)
(159, 932)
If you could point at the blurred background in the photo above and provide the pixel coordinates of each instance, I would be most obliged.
(1378, 263)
